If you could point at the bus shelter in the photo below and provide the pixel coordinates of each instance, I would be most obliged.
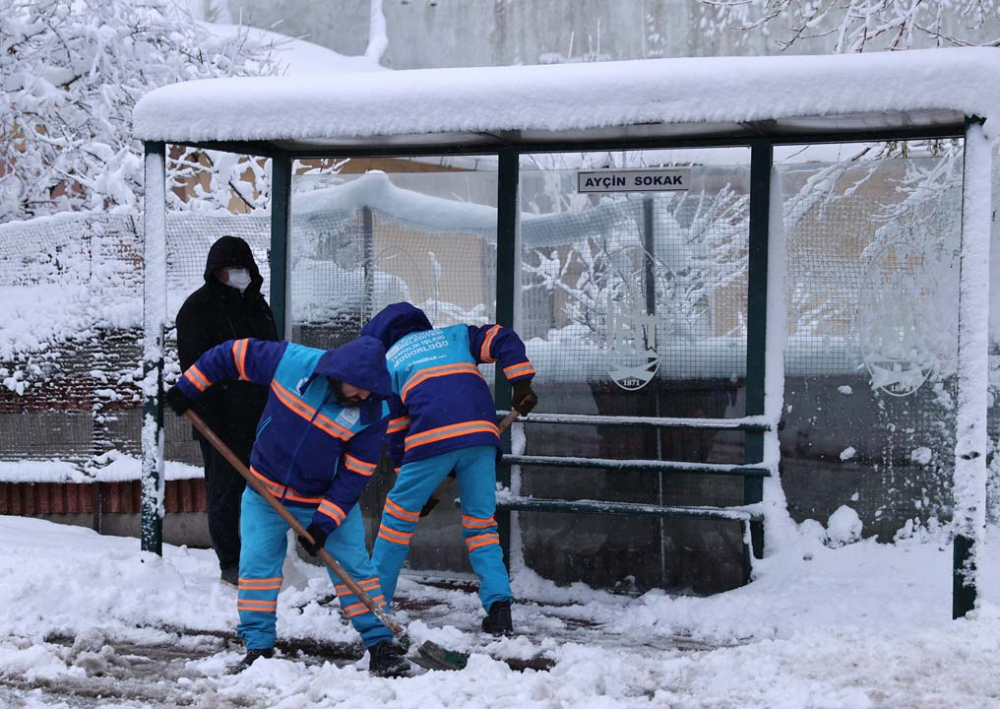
(630, 304)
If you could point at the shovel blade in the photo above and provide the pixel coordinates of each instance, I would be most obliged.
(432, 656)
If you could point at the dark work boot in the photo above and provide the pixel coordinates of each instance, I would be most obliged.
(498, 620)
(230, 577)
(387, 660)
(253, 655)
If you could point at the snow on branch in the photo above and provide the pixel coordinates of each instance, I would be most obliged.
(71, 72)
(843, 26)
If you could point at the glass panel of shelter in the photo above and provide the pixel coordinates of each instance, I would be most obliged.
(422, 231)
(635, 304)
(871, 360)
(597, 268)
(426, 234)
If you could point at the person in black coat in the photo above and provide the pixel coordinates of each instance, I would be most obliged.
(229, 306)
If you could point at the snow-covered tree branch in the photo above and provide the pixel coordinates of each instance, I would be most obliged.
(862, 25)
(697, 248)
(71, 72)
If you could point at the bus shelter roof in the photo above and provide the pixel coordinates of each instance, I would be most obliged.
(721, 100)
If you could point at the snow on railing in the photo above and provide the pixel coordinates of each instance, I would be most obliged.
(746, 423)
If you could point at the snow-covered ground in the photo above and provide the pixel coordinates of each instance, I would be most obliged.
(864, 625)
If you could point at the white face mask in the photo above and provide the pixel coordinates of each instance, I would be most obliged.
(239, 278)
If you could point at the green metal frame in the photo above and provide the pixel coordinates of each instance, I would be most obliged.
(761, 164)
(265, 149)
(508, 177)
(596, 507)
(281, 196)
(661, 466)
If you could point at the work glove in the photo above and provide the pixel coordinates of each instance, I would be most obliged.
(317, 533)
(178, 401)
(524, 398)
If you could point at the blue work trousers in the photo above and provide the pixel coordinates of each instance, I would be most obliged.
(476, 471)
(262, 554)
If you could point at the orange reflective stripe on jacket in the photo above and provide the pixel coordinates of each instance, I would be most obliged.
(452, 431)
(195, 376)
(239, 358)
(321, 421)
(400, 424)
(358, 466)
(333, 511)
(484, 351)
(443, 371)
(518, 370)
(283, 492)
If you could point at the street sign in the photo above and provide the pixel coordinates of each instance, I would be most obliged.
(654, 180)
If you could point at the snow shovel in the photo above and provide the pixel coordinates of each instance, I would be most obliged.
(428, 654)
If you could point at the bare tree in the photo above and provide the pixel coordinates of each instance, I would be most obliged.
(863, 25)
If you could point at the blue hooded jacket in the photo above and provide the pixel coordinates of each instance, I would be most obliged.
(310, 450)
(441, 401)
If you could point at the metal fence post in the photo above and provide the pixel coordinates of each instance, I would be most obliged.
(281, 195)
(973, 379)
(154, 322)
(506, 292)
(761, 164)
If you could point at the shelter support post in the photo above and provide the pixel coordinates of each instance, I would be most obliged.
(973, 382)
(761, 163)
(281, 197)
(507, 287)
(154, 323)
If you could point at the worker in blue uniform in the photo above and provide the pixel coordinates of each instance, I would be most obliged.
(318, 443)
(443, 418)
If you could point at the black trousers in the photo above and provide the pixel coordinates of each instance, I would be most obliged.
(225, 489)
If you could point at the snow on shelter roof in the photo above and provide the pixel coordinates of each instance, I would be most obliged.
(672, 99)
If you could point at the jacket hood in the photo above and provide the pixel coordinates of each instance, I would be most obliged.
(396, 321)
(232, 252)
(360, 363)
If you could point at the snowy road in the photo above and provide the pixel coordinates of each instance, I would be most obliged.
(89, 621)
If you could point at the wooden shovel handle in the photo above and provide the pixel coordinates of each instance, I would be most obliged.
(508, 420)
(323, 554)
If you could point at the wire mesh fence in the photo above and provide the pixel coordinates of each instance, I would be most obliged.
(71, 293)
(639, 293)
(70, 356)
(871, 358)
